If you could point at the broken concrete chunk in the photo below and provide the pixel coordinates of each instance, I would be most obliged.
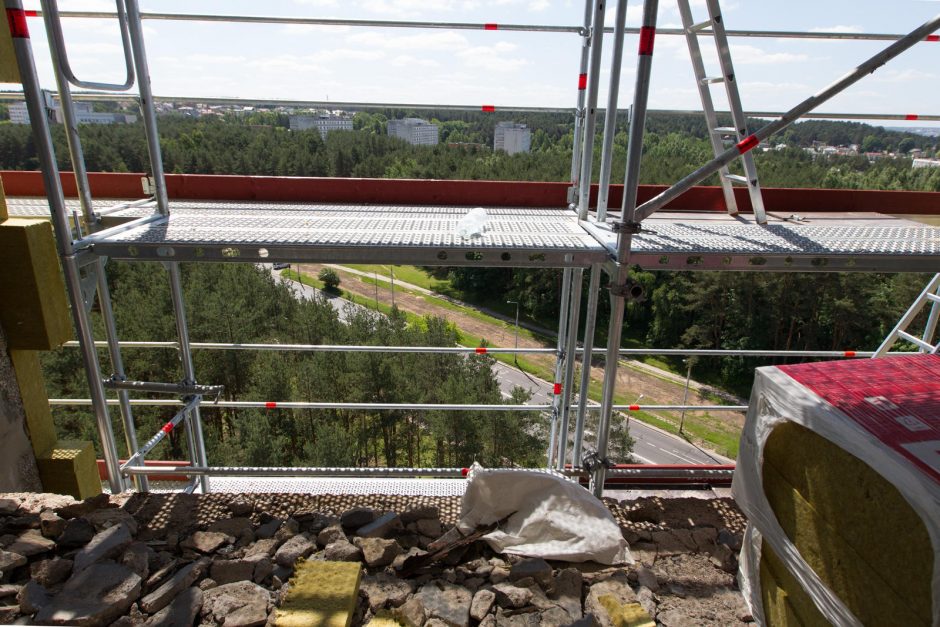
(162, 596)
(181, 612)
(382, 527)
(104, 545)
(377, 551)
(292, 550)
(95, 596)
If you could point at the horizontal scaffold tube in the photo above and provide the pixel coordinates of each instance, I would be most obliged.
(545, 28)
(147, 402)
(463, 350)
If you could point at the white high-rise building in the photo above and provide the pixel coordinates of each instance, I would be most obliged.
(512, 137)
(414, 131)
(324, 122)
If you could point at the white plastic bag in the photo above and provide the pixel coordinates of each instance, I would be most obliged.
(554, 518)
(473, 224)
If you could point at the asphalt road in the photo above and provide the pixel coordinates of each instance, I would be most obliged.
(653, 446)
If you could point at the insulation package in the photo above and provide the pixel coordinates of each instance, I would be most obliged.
(839, 476)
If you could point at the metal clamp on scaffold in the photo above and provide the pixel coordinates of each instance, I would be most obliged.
(632, 228)
(591, 462)
(631, 290)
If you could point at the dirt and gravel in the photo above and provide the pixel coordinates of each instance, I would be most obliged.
(227, 559)
(632, 381)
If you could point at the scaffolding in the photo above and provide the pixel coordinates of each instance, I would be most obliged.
(645, 234)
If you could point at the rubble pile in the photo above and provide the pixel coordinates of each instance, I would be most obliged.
(174, 559)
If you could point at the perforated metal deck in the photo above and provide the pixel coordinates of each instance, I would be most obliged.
(822, 242)
(426, 235)
(26, 207)
(330, 233)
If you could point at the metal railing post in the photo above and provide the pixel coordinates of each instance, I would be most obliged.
(36, 106)
(619, 279)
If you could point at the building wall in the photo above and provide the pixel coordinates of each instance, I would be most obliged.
(18, 470)
(415, 131)
(324, 124)
(512, 138)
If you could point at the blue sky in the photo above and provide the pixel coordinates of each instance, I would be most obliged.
(498, 67)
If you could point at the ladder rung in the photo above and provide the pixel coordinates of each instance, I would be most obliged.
(725, 129)
(933, 297)
(736, 178)
(700, 26)
(915, 340)
(712, 79)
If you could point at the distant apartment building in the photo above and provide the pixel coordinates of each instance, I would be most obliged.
(414, 131)
(512, 138)
(323, 122)
(925, 163)
(84, 114)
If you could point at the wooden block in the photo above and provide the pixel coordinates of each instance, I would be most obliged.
(39, 421)
(34, 308)
(322, 594)
(70, 468)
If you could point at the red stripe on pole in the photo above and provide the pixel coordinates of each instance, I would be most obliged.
(911, 116)
(31, 13)
(481, 349)
(849, 353)
(582, 81)
(464, 471)
(490, 26)
(634, 408)
(270, 404)
(647, 35)
(167, 427)
(17, 20)
(932, 38)
(488, 108)
(747, 143)
(557, 389)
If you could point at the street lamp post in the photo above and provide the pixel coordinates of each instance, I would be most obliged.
(515, 356)
(685, 397)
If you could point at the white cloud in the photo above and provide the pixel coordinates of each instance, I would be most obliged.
(492, 58)
(539, 5)
(744, 54)
(420, 43)
(406, 60)
(890, 75)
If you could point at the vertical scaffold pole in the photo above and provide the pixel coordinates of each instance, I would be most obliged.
(147, 112)
(36, 106)
(582, 88)
(77, 156)
(590, 111)
(574, 312)
(603, 189)
(624, 240)
(559, 363)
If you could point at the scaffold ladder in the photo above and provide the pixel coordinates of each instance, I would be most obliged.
(925, 343)
(714, 26)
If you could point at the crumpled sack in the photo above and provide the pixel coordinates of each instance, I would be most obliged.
(554, 518)
(473, 224)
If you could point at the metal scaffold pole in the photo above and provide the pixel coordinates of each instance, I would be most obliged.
(571, 346)
(590, 110)
(60, 64)
(579, 110)
(603, 189)
(618, 281)
(36, 106)
(559, 365)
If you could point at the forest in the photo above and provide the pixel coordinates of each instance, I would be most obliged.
(243, 303)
